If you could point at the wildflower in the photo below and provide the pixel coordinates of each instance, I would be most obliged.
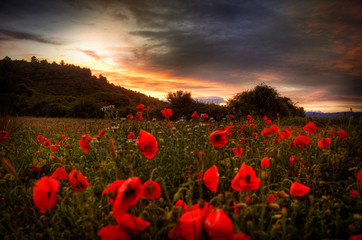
(101, 133)
(45, 193)
(265, 117)
(267, 122)
(342, 134)
(238, 152)
(324, 143)
(265, 162)
(353, 193)
(266, 132)
(151, 190)
(147, 144)
(359, 177)
(46, 143)
(113, 232)
(3, 135)
(35, 168)
(113, 187)
(63, 137)
(248, 117)
(166, 113)
(189, 226)
(219, 226)
(331, 133)
(130, 116)
(301, 141)
(181, 204)
(204, 116)
(211, 178)
(291, 160)
(285, 134)
(298, 189)
(232, 116)
(310, 128)
(274, 128)
(40, 138)
(127, 195)
(131, 135)
(194, 116)
(218, 138)
(245, 179)
(59, 174)
(140, 107)
(84, 142)
(132, 224)
(53, 147)
(240, 236)
(77, 181)
(271, 198)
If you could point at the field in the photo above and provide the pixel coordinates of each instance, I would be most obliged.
(226, 200)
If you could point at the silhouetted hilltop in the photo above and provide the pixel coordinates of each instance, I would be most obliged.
(49, 89)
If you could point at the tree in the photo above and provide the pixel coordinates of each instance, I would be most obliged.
(181, 103)
(263, 100)
(34, 59)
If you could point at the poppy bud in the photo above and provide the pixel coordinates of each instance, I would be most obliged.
(220, 198)
(273, 206)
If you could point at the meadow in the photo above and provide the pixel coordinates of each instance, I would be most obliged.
(239, 178)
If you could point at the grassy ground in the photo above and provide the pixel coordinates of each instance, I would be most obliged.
(326, 212)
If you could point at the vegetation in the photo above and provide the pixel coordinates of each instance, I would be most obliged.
(330, 209)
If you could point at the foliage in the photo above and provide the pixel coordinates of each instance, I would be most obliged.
(184, 149)
(263, 100)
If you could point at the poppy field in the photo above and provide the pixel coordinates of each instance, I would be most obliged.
(140, 178)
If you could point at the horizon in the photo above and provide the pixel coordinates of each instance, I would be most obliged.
(308, 51)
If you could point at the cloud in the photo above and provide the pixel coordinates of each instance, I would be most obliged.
(92, 54)
(9, 35)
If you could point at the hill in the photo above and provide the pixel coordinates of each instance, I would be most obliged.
(39, 88)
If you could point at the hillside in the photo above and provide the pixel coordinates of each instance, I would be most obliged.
(43, 89)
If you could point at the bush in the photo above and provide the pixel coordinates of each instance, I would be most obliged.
(86, 108)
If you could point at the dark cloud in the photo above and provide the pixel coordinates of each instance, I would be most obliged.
(8, 35)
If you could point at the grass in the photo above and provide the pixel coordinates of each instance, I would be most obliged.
(326, 212)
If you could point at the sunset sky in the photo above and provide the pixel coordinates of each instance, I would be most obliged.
(310, 51)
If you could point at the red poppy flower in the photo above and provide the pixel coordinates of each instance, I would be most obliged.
(84, 142)
(267, 122)
(211, 178)
(35, 168)
(342, 134)
(266, 132)
(147, 144)
(232, 116)
(40, 138)
(113, 187)
(310, 128)
(331, 133)
(297, 189)
(285, 134)
(148, 108)
(132, 224)
(240, 236)
(101, 133)
(166, 112)
(301, 141)
(141, 107)
(248, 117)
(3, 135)
(113, 232)
(190, 225)
(63, 137)
(182, 204)
(291, 160)
(353, 192)
(204, 116)
(274, 128)
(265, 117)
(127, 195)
(46, 143)
(218, 138)
(356, 237)
(131, 135)
(245, 179)
(219, 226)
(45, 193)
(151, 190)
(59, 174)
(77, 181)
(324, 143)
(271, 198)
(130, 116)
(206, 208)
(194, 116)
(359, 177)
(238, 151)
(265, 162)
